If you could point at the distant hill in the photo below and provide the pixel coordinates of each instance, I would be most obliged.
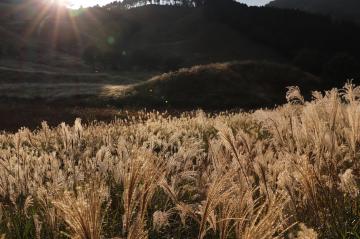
(149, 37)
(343, 9)
(161, 38)
(168, 37)
(246, 84)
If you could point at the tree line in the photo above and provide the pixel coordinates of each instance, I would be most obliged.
(126, 4)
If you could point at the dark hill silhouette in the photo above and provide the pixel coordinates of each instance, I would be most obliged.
(168, 37)
(163, 38)
(310, 41)
(344, 9)
(149, 37)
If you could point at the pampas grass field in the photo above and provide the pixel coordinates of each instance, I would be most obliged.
(290, 172)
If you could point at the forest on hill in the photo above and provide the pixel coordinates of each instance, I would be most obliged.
(344, 9)
(163, 36)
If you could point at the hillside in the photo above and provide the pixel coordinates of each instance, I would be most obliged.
(98, 56)
(150, 37)
(244, 84)
(164, 38)
(189, 36)
(342, 9)
(238, 84)
(30, 95)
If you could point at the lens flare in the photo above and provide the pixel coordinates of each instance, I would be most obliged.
(75, 4)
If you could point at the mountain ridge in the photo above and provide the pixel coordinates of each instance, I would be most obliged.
(163, 38)
(344, 9)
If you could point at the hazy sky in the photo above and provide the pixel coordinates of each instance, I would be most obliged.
(87, 3)
(255, 2)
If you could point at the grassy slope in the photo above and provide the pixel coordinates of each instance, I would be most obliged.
(238, 84)
(51, 84)
(30, 96)
(244, 84)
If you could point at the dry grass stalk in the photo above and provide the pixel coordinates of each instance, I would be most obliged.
(243, 175)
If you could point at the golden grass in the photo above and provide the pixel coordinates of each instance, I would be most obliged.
(291, 172)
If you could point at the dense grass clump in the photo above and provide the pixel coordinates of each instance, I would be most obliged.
(292, 172)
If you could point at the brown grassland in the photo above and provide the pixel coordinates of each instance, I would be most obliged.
(291, 172)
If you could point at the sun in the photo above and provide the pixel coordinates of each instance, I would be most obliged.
(71, 3)
(76, 3)
(84, 3)
(59, 2)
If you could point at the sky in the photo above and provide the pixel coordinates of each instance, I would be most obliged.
(88, 3)
(255, 2)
